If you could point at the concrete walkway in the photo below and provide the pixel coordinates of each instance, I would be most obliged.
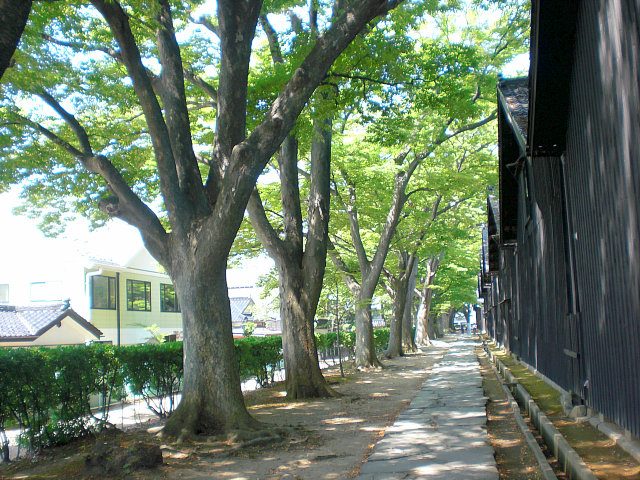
(442, 434)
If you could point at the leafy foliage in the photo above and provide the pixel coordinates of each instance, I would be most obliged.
(259, 358)
(155, 372)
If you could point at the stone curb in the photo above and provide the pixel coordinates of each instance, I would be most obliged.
(545, 468)
(569, 460)
(632, 447)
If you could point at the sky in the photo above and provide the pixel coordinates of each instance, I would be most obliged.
(23, 247)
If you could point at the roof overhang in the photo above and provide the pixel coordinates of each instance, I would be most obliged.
(68, 313)
(553, 28)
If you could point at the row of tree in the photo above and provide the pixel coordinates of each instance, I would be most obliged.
(165, 114)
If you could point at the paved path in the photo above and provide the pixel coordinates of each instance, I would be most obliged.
(442, 434)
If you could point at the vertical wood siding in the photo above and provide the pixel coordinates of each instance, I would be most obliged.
(603, 183)
(585, 337)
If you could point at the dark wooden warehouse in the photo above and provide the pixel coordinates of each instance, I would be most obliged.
(561, 270)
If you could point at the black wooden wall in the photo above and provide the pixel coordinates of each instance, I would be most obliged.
(603, 183)
(567, 299)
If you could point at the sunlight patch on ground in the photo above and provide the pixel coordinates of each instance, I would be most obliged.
(507, 443)
(372, 429)
(342, 421)
(291, 406)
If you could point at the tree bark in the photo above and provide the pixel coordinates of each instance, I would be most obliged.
(394, 349)
(300, 267)
(400, 292)
(365, 345)
(422, 335)
(408, 343)
(211, 400)
(303, 377)
(13, 18)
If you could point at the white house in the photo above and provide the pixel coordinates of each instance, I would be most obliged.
(128, 302)
(119, 299)
(123, 295)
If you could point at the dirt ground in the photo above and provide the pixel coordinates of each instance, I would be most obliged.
(330, 438)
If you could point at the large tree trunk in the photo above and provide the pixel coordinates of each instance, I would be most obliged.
(394, 349)
(303, 378)
(408, 344)
(300, 267)
(365, 346)
(211, 397)
(400, 286)
(422, 338)
(422, 335)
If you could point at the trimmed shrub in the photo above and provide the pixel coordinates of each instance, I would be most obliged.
(259, 358)
(29, 382)
(381, 338)
(155, 372)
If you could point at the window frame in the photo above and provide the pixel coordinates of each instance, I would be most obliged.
(147, 295)
(47, 289)
(111, 281)
(8, 292)
(163, 287)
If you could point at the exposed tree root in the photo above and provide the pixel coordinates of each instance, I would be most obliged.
(323, 391)
(377, 365)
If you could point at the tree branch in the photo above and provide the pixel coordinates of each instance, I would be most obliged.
(272, 38)
(208, 24)
(78, 130)
(264, 231)
(126, 204)
(349, 279)
(174, 101)
(365, 78)
(209, 89)
(118, 21)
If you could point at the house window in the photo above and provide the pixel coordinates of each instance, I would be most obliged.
(103, 292)
(46, 291)
(168, 299)
(4, 293)
(138, 295)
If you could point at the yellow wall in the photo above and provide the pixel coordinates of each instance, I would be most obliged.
(132, 323)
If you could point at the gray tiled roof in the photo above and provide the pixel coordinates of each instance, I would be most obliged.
(32, 321)
(238, 307)
(516, 96)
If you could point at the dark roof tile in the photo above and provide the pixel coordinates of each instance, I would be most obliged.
(32, 321)
(515, 92)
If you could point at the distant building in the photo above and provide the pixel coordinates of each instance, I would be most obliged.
(123, 300)
(49, 325)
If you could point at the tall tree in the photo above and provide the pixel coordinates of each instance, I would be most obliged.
(202, 217)
(421, 338)
(409, 128)
(300, 263)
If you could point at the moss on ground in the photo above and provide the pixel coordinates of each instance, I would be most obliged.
(606, 459)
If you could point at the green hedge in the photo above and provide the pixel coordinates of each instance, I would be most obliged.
(49, 391)
(155, 373)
